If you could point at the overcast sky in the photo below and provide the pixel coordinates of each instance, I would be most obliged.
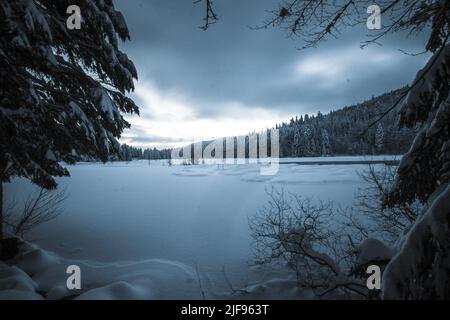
(231, 80)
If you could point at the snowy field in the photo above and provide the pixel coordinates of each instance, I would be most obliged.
(148, 221)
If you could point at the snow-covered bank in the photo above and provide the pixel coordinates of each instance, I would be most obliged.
(39, 274)
(36, 274)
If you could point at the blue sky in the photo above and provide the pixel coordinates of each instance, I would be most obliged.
(231, 79)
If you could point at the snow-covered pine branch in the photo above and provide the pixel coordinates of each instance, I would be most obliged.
(421, 268)
(53, 95)
(62, 91)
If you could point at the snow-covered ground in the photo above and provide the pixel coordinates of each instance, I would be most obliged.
(146, 225)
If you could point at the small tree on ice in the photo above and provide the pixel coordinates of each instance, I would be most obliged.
(62, 91)
(297, 145)
(379, 137)
(326, 147)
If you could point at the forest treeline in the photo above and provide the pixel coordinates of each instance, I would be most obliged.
(346, 131)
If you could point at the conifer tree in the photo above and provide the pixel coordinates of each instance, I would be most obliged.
(62, 91)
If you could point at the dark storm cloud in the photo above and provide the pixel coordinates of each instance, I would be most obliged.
(232, 63)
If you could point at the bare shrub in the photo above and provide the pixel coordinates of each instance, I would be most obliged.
(304, 235)
(41, 207)
(387, 223)
(323, 243)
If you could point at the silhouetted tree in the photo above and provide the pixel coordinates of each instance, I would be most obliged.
(62, 91)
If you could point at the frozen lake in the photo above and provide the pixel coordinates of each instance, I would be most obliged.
(197, 215)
